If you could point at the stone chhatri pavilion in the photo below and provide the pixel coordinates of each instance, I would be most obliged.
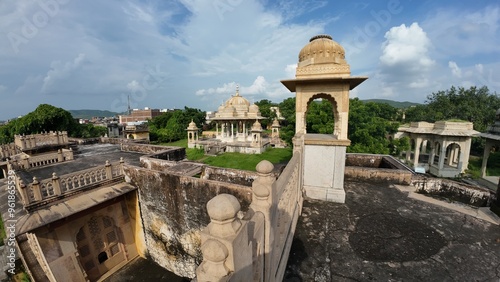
(237, 129)
(440, 148)
(323, 73)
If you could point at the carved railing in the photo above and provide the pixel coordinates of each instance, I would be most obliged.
(39, 193)
(45, 159)
(37, 140)
(25, 161)
(254, 247)
(8, 150)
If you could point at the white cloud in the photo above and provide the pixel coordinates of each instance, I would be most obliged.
(290, 70)
(455, 70)
(408, 46)
(464, 33)
(60, 71)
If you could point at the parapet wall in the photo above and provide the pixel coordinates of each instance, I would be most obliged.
(173, 210)
(453, 190)
(378, 168)
(241, 177)
(178, 152)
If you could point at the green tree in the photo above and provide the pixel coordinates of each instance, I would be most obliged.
(319, 117)
(370, 125)
(287, 109)
(171, 126)
(265, 111)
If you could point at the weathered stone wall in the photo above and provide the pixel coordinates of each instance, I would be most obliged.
(396, 176)
(173, 210)
(122, 140)
(84, 141)
(472, 195)
(363, 160)
(171, 153)
(241, 177)
(156, 164)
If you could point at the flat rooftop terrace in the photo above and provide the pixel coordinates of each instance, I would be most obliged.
(87, 156)
(381, 234)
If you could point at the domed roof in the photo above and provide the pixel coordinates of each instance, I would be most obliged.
(256, 126)
(323, 49)
(237, 100)
(253, 108)
(192, 126)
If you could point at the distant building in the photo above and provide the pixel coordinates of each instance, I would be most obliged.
(237, 129)
(137, 130)
(140, 115)
(440, 148)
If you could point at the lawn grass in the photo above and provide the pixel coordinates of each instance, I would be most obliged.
(492, 168)
(179, 143)
(234, 160)
(249, 161)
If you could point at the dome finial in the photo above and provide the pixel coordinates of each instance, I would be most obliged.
(320, 36)
(237, 90)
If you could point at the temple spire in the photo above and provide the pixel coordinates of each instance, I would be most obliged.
(237, 90)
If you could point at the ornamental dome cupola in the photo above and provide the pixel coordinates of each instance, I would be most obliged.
(253, 108)
(192, 126)
(322, 57)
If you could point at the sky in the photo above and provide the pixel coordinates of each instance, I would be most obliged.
(170, 54)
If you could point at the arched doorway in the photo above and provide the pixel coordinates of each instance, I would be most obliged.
(321, 115)
(100, 246)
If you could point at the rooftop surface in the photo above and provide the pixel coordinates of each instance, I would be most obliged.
(87, 156)
(380, 234)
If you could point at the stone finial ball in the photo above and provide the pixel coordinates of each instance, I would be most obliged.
(264, 167)
(214, 250)
(223, 207)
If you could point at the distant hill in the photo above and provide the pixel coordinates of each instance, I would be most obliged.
(88, 114)
(395, 104)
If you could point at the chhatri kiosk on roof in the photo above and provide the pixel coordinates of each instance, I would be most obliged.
(237, 129)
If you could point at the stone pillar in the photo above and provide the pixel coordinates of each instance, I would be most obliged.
(432, 155)
(122, 163)
(486, 155)
(25, 162)
(109, 170)
(465, 154)
(35, 185)
(60, 157)
(56, 184)
(442, 156)
(418, 142)
(24, 193)
(263, 196)
(450, 155)
(226, 249)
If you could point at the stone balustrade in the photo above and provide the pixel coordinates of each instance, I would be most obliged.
(254, 246)
(39, 140)
(25, 161)
(41, 192)
(8, 150)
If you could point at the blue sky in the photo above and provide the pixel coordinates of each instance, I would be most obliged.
(170, 54)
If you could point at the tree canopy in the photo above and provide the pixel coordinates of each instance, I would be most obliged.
(171, 126)
(48, 118)
(476, 105)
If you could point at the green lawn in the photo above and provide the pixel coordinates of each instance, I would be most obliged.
(235, 160)
(180, 143)
(249, 161)
(493, 167)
